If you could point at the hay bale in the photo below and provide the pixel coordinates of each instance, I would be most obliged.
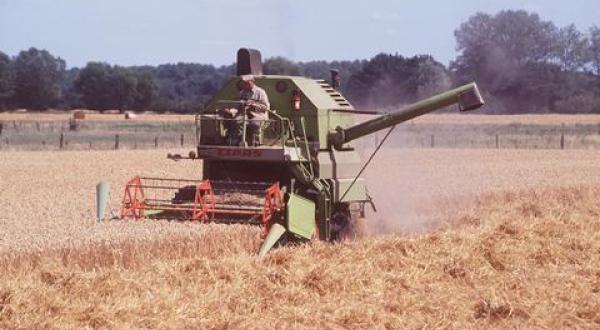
(78, 114)
(130, 115)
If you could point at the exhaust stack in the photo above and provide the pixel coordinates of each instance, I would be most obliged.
(249, 61)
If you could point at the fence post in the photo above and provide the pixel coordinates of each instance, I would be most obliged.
(156, 142)
(61, 143)
(182, 139)
(562, 136)
(90, 143)
(497, 142)
(116, 141)
(432, 140)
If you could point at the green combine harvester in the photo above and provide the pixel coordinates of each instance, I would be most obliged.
(299, 179)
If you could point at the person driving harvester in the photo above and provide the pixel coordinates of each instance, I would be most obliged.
(256, 108)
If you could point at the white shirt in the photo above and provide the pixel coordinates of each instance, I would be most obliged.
(258, 95)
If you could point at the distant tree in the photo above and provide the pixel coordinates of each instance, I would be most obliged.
(391, 80)
(494, 48)
(431, 77)
(594, 49)
(572, 48)
(525, 63)
(71, 99)
(146, 92)
(281, 66)
(123, 87)
(38, 78)
(103, 87)
(321, 70)
(185, 87)
(94, 83)
(6, 81)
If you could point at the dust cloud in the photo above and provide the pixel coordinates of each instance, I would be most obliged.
(416, 189)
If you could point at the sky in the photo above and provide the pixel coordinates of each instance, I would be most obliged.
(140, 32)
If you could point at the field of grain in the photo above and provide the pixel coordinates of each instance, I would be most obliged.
(463, 239)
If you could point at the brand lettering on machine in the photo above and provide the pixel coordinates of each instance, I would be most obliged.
(250, 153)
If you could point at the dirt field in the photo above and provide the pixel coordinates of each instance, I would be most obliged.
(520, 247)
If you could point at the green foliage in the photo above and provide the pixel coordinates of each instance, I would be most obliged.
(38, 77)
(6, 81)
(594, 49)
(494, 48)
(572, 48)
(521, 62)
(185, 87)
(281, 66)
(585, 102)
(390, 80)
(103, 87)
(526, 63)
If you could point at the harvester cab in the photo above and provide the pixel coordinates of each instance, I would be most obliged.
(299, 178)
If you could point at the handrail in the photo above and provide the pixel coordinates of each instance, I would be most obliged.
(284, 124)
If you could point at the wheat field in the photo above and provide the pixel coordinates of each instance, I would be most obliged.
(463, 239)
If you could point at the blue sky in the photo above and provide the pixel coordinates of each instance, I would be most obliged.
(153, 32)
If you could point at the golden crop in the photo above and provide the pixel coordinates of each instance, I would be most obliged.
(512, 240)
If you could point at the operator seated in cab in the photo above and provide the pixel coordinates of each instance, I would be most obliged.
(255, 107)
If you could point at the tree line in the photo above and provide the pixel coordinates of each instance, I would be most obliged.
(522, 63)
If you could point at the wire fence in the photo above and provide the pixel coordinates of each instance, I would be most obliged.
(107, 135)
(101, 135)
(511, 136)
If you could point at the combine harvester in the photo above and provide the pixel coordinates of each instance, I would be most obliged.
(300, 179)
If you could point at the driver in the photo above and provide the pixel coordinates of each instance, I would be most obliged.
(257, 107)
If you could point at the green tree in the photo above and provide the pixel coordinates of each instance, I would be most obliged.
(282, 66)
(123, 87)
(572, 48)
(513, 56)
(321, 70)
(146, 92)
(594, 49)
(38, 78)
(391, 80)
(6, 81)
(94, 83)
(103, 87)
(496, 47)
